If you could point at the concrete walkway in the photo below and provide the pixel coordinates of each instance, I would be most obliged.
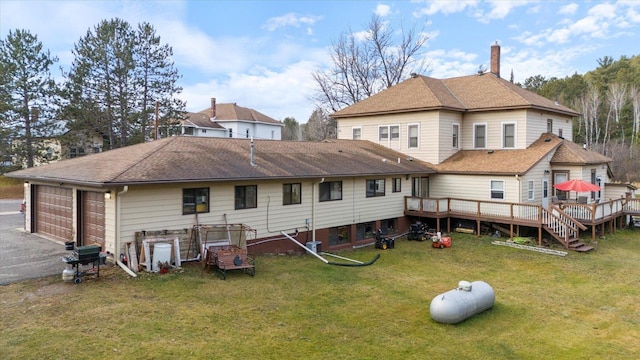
(24, 255)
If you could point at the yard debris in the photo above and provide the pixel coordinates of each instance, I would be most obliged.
(532, 248)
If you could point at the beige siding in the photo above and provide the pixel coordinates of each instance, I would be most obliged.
(110, 223)
(445, 135)
(536, 174)
(493, 120)
(472, 187)
(536, 124)
(160, 207)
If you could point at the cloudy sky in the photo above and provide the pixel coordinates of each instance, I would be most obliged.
(261, 54)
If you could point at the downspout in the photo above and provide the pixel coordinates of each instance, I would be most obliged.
(313, 211)
(125, 189)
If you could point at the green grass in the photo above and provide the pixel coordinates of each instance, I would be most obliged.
(582, 306)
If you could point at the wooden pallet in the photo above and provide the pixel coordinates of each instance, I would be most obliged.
(532, 248)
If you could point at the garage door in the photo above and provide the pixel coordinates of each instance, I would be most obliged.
(92, 231)
(54, 212)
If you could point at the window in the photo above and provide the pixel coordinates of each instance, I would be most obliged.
(230, 133)
(188, 131)
(195, 200)
(204, 131)
(480, 136)
(396, 185)
(330, 191)
(559, 132)
(246, 197)
(530, 192)
(388, 226)
(395, 132)
(413, 136)
(509, 136)
(384, 133)
(375, 187)
(291, 194)
(339, 235)
(497, 189)
(247, 133)
(365, 230)
(74, 152)
(455, 135)
(558, 177)
(273, 134)
(357, 133)
(549, 125)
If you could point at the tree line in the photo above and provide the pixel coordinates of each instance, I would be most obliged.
(121, 79)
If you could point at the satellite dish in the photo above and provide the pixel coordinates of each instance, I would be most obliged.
(482, 69)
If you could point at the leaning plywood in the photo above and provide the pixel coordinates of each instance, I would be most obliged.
(145, 256)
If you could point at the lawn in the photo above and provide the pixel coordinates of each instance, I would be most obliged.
(582, 306)
(11, 188)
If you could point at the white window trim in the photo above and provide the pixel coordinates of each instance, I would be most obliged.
(531, 190)
(515, 134)
(380, 141)
(504, 192)
(458, 143)
(409, 137)
(486, 130)
(359, 127)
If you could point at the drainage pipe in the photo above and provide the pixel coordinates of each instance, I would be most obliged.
(304, 247)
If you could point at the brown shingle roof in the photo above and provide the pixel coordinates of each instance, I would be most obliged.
(190, 159)
(233, 112)
(484, 92)
(500, 162)
(571, 153)
(200, 120)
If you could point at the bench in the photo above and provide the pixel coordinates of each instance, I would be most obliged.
(234, 258)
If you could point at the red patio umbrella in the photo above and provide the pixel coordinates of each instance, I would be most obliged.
(577, 185)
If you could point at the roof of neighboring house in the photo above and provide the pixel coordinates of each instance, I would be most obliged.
(195, 159)
(519, 161)
(485, 92)
(200, 120)
(232, 112)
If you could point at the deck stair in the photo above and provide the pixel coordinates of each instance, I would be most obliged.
(565, 229)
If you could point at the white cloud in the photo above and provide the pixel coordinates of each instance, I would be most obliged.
(289, 19)
(445, 7)
(568, 9)
(382, 10)
(499, 10)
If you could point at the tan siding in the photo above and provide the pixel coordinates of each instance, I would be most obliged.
(494, 121)
(536, 124)
(472, 187)
(445, 135)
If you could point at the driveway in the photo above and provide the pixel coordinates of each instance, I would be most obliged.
(24, 255)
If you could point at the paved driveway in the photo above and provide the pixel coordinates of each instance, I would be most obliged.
(23, 255)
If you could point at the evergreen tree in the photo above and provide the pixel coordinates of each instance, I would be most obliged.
(27, 97)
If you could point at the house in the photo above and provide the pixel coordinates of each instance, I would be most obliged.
(489, 140)
(337, 192)
(231, 120)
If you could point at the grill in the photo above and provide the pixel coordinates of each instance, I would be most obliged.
(84, 255)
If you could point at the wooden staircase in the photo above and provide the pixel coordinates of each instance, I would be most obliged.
(564, 229)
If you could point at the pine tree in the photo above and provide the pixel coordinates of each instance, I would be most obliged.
(27, 97)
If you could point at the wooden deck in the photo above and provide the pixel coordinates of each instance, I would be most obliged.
(563, 221)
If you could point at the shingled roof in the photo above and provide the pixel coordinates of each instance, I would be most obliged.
(519, 161)
(233, 112)
(485, 92)
(195, 159)
(200, 120)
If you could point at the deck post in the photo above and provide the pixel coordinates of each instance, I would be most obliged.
(539, 235)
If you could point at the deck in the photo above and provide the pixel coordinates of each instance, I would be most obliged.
(563, 220)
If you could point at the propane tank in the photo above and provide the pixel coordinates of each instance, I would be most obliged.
(68, 274)
(461, 303)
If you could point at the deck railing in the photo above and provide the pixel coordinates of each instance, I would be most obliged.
(583, 213)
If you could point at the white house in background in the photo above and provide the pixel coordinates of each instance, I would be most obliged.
(233, 121)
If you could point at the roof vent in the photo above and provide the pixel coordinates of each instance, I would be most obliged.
(547, 140)
(490, 152)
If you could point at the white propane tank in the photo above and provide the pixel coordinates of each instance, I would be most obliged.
(68, 274)
(459, 304)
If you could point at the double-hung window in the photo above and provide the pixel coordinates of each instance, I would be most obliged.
(509, 135)
(480, 136)
(414, 132)
(455, 135)
(356, 133)
(497, 189)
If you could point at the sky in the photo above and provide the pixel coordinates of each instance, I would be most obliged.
(261, 54)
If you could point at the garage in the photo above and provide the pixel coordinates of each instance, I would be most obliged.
(92, 218)
(54, 212)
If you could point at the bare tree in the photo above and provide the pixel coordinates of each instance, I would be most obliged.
(366, 64)
(634, 95)
(617, 96)
(590, 104)
(319, 127)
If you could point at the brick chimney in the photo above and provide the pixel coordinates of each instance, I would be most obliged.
(213, 108)
(495, 59)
